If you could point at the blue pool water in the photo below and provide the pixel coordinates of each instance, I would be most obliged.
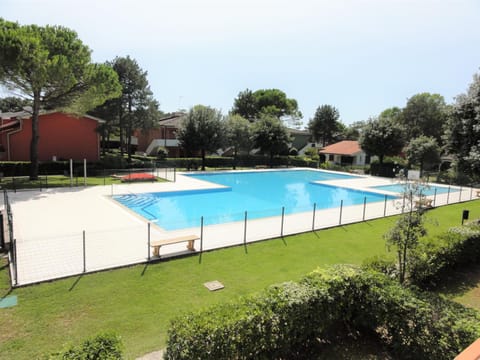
(261, 194)
(430, 190)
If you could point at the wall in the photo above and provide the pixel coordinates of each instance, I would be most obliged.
(61, 135)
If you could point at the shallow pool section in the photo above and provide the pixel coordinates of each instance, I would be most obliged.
(426, 190)
(261, 194)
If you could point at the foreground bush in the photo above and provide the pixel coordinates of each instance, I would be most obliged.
(288, 318)
(101, 347)
(435, 258)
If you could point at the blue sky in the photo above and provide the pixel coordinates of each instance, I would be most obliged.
(361, 56)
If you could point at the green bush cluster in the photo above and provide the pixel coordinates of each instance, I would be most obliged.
(435, 257)
(105, 346)
(288, 319)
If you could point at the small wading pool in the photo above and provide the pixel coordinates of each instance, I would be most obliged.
(261, 193)
(426, 190)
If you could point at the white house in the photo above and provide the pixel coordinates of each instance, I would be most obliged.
(347, 152)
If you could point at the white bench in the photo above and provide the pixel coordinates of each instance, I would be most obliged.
(189, 239)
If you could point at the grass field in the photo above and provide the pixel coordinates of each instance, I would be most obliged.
(138, 302)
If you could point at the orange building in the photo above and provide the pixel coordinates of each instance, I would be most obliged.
(62, 137)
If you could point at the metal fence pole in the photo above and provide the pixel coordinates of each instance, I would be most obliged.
(435, 197)
(148, 243)
(14, 257)
(460, 195)
(174, 174)
(385, 206)
(471, 193)
(313, 221)
(84, 254)
(283, 217)
(245, 230)
(341, 209)
(201, 234)
(364, 207)
(448, 194)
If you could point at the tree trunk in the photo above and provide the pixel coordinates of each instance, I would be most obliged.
(35, 137)
(203, 159)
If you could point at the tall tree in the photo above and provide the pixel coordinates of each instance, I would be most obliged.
(424, 114)
(274, 102)
(462, 131)
(382, 138)
(270, 136)
(422, 151)
(325, 124)
(51, 66)
(135, 102)
(203, 130)
(13, 104)
(238, 135)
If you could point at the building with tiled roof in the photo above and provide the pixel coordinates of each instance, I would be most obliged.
(346, 152)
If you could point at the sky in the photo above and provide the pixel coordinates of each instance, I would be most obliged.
(361, 56)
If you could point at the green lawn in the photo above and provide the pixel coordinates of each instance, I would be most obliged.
(137, 302)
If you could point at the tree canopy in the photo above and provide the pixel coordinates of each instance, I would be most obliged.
(325, 125)
(202, 130)
(463, 130)
(51, 66)
(270, 136)
(13, 104)
(134, 108)
(424, 114)
(422, 151)
(273, 102)
(382, 138)
(238, 134)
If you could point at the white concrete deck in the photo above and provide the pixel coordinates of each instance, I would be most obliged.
(50, 226)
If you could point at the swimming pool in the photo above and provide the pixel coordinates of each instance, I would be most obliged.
(426, 190)
(260, 193)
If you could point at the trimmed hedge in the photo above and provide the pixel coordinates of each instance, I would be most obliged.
(289, 318)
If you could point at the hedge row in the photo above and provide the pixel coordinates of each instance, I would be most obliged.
(289, 318)
(22, 168)
(437, 256)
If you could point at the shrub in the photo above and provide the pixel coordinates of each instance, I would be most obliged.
(286, 319)
(105, 346)
(436, 257)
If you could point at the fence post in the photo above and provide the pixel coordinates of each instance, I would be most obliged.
(148, 242)
(84, 254)
(471, 193)
(448, 194)
(435, 197)
(174, 174)
(84, 172)
(364, 207)
(341, 209)
(385, 206)
(245, 230)
(201, 234)
(313, 221)
(283, 217)
(71, 172)
(14, 256)
(460, 195)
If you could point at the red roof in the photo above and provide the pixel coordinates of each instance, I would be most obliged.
(346, 147)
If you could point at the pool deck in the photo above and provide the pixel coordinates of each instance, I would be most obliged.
(67, 231)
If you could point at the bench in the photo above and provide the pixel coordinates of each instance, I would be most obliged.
(189, 239)
(423, 203)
